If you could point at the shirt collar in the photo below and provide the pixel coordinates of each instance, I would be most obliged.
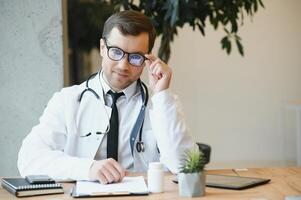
(130, 91)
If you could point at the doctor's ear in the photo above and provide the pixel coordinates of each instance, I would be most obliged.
(102, 47)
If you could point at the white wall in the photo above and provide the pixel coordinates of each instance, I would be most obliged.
(31, 69)
(234, 103)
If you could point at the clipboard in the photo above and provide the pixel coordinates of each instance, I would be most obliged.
(232, 182)
(130, 186)
(105, 194)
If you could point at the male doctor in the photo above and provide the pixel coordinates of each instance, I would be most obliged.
(86, 136)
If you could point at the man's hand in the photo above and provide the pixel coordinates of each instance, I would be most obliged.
(159, 73)
(106, 171)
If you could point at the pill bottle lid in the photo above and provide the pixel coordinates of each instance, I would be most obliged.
(155, 165)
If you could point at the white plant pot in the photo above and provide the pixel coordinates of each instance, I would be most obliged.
(192, 184)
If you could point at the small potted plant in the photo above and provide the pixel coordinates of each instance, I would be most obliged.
(192, 177)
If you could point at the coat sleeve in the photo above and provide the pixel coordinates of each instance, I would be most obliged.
(170, 130)
(42, 151)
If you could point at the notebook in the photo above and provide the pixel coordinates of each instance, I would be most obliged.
(21, 188)
(128, 186)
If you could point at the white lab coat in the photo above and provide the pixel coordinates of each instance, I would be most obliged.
(54, 146)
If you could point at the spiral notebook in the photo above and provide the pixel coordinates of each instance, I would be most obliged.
(21, 188)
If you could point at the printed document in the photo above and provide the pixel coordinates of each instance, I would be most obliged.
(132, 185)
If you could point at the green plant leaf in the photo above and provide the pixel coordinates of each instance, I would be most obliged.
(175, 12)
(201, 28)
(192, 161)
(89, 17)
(255, 6)
(240, 47)
(261, 4)
(226, 44)
(226, 31)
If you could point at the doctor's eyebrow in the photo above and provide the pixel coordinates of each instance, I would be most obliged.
(134, 52)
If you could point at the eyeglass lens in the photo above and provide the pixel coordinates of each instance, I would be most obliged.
(133, 58)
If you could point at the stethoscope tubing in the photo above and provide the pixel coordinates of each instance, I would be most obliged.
(144, 95)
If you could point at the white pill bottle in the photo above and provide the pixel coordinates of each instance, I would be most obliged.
(155, 177)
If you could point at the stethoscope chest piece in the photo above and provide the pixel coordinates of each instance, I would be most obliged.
(140, 146)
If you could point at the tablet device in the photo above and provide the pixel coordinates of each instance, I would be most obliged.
(233, 182)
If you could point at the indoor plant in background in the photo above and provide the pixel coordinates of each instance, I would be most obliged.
(192, 181)
(86, 19)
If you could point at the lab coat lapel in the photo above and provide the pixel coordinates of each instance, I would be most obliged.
(93, 116)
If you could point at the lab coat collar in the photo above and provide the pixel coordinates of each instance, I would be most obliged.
(130, 91)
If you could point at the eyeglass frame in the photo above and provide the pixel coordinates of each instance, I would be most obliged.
(124, 53)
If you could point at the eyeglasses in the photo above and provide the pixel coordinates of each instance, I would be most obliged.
(116, 54)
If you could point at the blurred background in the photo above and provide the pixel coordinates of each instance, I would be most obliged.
(248, 108)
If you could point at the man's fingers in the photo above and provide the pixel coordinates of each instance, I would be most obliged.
(101, 178)
(115, 169)
(118, 169)
(106, 171)
(152, 68)
(154, 65)
(115, 173)
(148, 63)
(108, 175)
(151, 57)
(158, 71)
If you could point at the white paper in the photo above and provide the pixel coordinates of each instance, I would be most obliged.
(128, 184)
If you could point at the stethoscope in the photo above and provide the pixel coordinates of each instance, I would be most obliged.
(138, 126)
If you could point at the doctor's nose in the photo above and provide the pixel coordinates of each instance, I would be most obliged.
(124, 63)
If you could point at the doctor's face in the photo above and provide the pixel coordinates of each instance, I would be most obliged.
(120, 74)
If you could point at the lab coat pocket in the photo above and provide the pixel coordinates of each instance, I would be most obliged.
(151, 153)
(87, 144)
(89, 137)
(92, 116)
(92, 122)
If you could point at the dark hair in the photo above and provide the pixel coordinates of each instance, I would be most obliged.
(131, 22)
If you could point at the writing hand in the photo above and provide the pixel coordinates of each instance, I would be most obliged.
(106, 171)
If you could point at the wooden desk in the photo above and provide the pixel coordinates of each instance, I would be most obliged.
(284, 182)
